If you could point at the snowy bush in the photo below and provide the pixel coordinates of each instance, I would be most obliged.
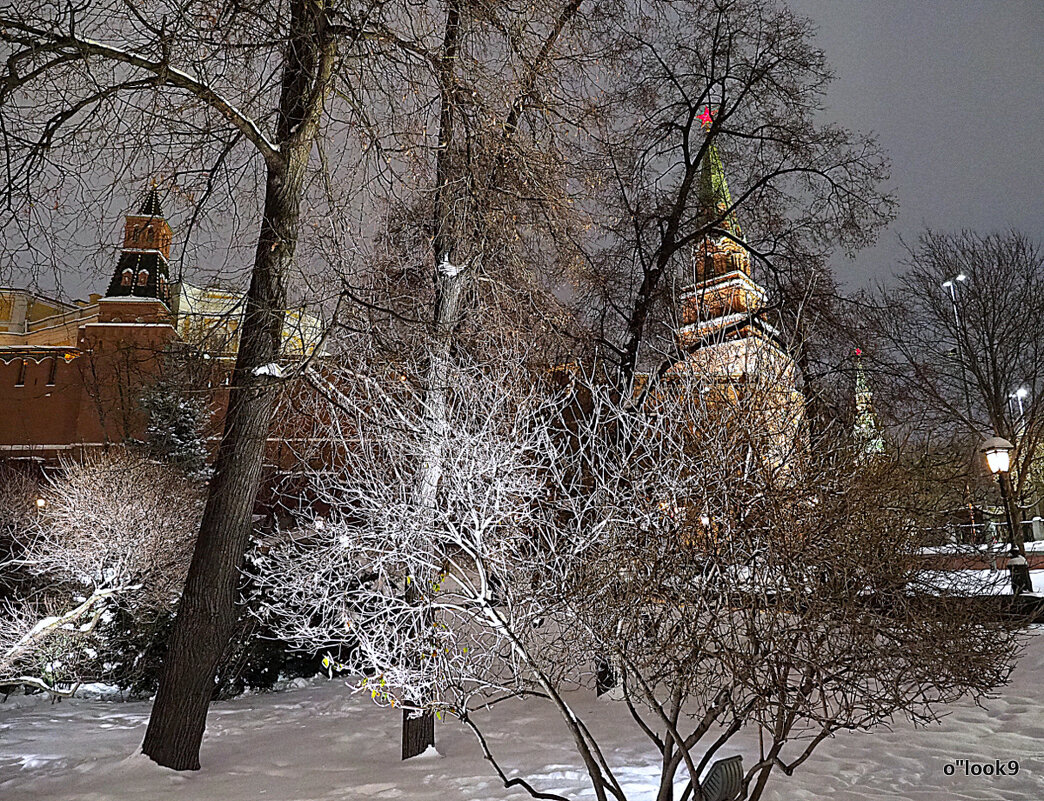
(113, 530)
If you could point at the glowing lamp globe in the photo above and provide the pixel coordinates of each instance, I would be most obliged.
(997, 451)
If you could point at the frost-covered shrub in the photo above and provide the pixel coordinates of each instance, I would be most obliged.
(114, 530)
(91, 577)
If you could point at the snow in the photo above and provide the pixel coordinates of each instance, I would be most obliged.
(431, 752)
(315, 742)
(272, 369)
(978, 582)
(448, 269)
(983, 551)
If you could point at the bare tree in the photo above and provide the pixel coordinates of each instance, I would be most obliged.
(689, 86)
(494, 170)
(258, 76)
(957, 349)
(736, 578)
(114, 528)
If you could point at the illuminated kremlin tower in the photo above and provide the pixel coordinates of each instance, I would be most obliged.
(722, 302)
(722, 329)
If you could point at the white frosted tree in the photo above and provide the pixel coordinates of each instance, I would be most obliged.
(736, 576)
(384, 584)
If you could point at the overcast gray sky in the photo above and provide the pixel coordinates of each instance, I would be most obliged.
(954, 91)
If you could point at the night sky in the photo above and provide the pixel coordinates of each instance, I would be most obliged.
(954, 91)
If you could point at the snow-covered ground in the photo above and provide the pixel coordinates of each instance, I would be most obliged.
(317, 743)
(1000, 547)
(978, 582)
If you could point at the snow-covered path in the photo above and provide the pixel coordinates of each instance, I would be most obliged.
(320, 744)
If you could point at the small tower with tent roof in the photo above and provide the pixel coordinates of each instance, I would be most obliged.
(143, 268)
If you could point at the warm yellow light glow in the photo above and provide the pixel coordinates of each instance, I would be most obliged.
(41, 503)
(998, 454)
(998, 461)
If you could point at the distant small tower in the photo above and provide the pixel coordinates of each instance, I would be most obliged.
(866, 431)
(143, 270)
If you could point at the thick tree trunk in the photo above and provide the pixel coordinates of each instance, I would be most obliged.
(207, 613)
(417, 733)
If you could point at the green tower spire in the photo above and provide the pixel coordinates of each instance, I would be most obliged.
(713, 195)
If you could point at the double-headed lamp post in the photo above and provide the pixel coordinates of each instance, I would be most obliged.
(997, 451)
(1019, 396)
(951, 287)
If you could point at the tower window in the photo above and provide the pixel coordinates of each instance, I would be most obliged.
(54, 370)
(20, 381)
(143, 277)
(127, 278)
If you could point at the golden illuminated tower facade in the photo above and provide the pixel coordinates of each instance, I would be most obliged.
(722, 328)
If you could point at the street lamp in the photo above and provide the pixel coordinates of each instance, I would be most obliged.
(997, 451)
(960, 277)
(951, 287)
(1019, 396)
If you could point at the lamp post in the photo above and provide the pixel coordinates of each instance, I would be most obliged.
(951, 287)
(1019, 396)
(997, 451)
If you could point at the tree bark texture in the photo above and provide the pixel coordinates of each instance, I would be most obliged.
(418, 732)
(207, 614)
